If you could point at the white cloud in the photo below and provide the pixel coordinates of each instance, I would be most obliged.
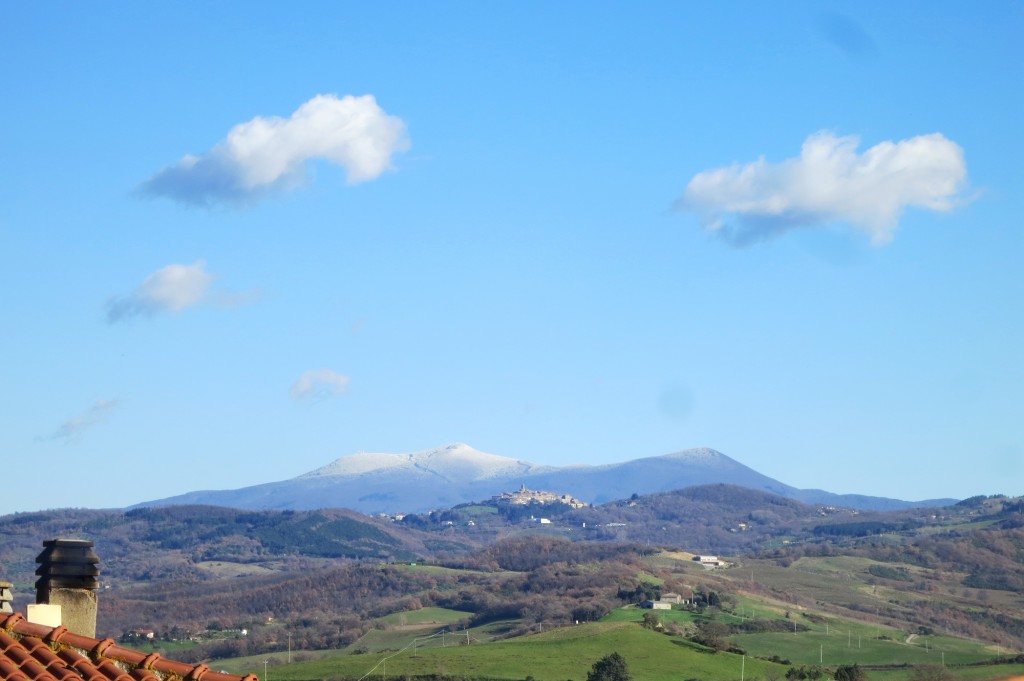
(319, 384)
(97, 413)
(169, 289)
(829, 182)
(268, 154)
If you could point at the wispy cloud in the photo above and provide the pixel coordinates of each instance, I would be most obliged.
(169, 289)
(829, 182)
(73, 428)
(270, 154)
(319, 384)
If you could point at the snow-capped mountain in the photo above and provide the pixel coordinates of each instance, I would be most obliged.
(452, 463)
(454, 474)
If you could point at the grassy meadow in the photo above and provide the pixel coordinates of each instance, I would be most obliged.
(837, 609)
(421, 642)
(555, 655)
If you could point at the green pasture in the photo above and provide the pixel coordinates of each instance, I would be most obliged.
(426, 636)
(568, 652)
(844, 646)
(810, 581)
(429, 615)
(433, 630)
(412, 643)
(633, 613)
(556, 655)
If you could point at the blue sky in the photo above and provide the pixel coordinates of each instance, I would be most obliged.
(241, 240)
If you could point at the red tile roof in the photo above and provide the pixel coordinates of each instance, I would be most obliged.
(35, 652)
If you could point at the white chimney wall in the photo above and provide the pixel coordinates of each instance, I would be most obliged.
(44, 613)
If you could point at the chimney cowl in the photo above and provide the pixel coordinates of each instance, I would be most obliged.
(6, 598)
(67, 563)
(68, 576)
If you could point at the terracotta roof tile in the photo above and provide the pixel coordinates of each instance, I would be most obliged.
(144, 675)
(35, 652)
(9, 672)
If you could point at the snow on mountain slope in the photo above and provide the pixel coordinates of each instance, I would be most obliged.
(445, 476)
(455, 463)
(705, 457)
(358, 464)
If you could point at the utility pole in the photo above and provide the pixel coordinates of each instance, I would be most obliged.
(821, 654)
(743, 666)
(289, 647)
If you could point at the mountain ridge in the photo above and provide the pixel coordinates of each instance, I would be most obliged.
(457, 473)
(450, 456)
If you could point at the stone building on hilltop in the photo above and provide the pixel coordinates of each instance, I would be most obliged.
(525, 497)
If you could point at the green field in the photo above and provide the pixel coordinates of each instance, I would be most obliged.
(567, 653)
(555, 655)
(424, 616)
(634, 613)
(412, 643)
(848, 647)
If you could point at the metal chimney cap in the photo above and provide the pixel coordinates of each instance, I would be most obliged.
(74, 551)
(81, 543)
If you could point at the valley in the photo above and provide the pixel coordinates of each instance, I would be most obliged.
(485, 591)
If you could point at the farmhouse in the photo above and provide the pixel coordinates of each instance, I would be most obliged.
(666, 601)
(708, 561)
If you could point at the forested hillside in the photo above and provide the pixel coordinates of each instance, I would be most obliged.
(150, 544)
(190, 572)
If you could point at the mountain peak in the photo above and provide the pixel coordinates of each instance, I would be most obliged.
(704, 457)
(452, 462)
(697, 453)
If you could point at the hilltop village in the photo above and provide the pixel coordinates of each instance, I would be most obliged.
(525, 497)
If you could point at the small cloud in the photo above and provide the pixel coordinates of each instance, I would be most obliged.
(829, 182)
(169, 289)
(319, 384)
(846, 34)
(73, 428)
(270, 154)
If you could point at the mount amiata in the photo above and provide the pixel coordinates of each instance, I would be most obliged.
(456, 474)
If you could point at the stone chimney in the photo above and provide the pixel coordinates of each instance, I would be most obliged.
(6, 598)
(68, 577)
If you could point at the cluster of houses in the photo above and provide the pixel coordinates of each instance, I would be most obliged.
(524, 496)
